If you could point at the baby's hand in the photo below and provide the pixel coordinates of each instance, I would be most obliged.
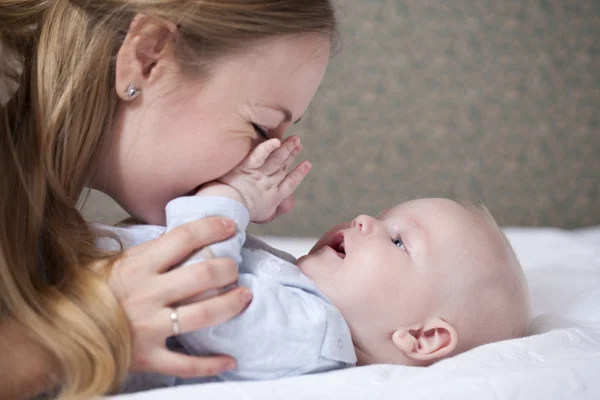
(263, 179)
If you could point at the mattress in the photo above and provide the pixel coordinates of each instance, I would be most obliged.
(559, 360)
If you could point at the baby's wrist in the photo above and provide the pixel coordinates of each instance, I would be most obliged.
(221, 190)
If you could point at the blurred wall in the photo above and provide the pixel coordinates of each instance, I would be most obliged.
(481, 100)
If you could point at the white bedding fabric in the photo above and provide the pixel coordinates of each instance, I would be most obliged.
(560, 360)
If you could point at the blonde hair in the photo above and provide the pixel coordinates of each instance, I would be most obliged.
(57, 102)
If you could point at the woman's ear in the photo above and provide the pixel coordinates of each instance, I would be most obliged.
(147, 48)
(430, 341)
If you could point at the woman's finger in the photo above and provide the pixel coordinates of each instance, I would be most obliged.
(278, 157)
(187, 281)
(209, 312)
(173, 247)
(176, 364)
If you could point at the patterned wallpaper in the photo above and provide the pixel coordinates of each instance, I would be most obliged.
(482, 100)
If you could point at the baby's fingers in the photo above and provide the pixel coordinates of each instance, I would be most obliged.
(294, 179)
(279, 157)
(261, 153)
(287, 164)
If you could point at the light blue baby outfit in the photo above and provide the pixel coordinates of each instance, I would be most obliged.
(290, 328)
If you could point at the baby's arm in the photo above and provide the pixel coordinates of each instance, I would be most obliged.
(253, 190)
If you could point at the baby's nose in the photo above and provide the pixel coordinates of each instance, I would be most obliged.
(364, 223)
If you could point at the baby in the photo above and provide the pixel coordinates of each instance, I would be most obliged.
(422, 281)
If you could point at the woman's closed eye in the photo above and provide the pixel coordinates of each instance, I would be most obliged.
(262, 132)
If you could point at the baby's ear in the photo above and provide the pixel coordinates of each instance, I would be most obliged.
(430, 341)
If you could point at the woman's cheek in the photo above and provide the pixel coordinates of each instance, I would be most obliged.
(226, 157)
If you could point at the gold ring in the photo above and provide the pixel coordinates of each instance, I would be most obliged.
(175, 321)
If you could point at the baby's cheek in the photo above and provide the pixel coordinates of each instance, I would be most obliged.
(375, 271)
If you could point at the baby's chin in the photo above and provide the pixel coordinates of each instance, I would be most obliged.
(303, 263)
(311, 264)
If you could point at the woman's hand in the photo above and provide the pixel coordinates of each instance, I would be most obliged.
(146, 289)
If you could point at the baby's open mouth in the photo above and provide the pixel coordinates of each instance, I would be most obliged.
(337, 244)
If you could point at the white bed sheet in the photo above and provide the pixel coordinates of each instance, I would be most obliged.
(560, 360)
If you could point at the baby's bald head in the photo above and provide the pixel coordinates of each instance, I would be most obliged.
(487, 300)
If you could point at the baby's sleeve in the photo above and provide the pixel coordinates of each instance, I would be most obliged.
(186, 209)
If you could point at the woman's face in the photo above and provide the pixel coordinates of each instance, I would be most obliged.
(182, 132)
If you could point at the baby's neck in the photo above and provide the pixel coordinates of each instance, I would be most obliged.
(362, 358)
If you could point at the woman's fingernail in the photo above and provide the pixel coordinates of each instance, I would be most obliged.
(247, 295)
(227, 223)
(230, 365)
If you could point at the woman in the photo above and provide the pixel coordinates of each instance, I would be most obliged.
(145, 100)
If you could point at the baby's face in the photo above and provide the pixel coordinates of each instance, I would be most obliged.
(394, 270)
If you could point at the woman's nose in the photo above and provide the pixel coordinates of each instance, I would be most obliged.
(364, 223)
(279, 132)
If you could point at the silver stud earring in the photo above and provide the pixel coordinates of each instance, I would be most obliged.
(132, 92)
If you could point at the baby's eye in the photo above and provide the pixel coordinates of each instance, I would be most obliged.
(260, 131)
(398, 242)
